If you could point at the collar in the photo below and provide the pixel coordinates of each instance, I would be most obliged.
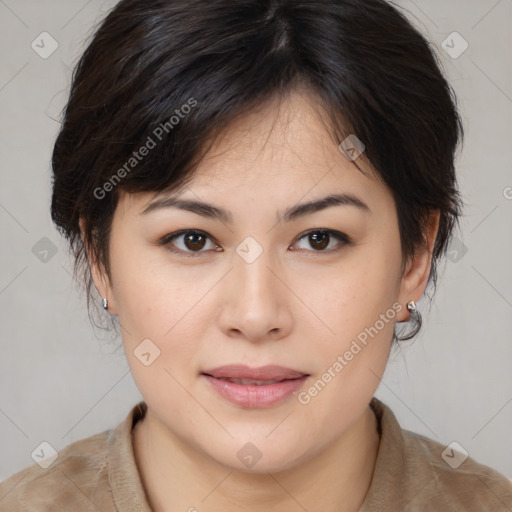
(127, 490)
(388, 486)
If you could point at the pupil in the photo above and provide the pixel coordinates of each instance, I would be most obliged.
(319, 240)
(323, 236)
(190, 237)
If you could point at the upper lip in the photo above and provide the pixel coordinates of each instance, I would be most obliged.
(269, 372)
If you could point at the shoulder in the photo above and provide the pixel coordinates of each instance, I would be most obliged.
(76, 480)
(414, 473)
(453, 479)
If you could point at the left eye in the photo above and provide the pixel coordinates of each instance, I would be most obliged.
(194, 241)
(320, 239)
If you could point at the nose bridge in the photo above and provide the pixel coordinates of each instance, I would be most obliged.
(254, 304)
(252, 271)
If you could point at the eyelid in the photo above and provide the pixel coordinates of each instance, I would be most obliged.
(167, 239)
(344, 238)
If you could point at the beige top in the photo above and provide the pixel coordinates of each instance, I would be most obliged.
(99, 473)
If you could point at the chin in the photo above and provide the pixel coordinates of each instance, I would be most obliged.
(257, 457)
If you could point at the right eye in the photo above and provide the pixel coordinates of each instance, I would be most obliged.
(192, 242)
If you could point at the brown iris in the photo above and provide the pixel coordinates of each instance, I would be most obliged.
(322, 239)
(192, 241)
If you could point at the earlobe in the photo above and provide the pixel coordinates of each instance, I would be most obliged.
(417, 273)
(99, 277)
(414, 315)
(102, 283)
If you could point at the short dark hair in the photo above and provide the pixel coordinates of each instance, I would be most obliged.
(185, 69)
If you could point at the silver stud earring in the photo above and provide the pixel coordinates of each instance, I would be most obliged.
(416, 317)
(105, 303)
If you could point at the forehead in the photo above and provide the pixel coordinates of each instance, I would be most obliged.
(280, 152)
(284, 144)
(287, 135)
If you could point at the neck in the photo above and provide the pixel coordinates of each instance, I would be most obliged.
(178, 477)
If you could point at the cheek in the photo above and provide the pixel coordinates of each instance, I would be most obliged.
(160, 302)
(145, 289)
(137, 295)
(354, 296)
(357, 301)
(159, 337)
(361, 324)
(350, 361)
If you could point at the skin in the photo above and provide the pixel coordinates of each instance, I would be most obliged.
(294, 305)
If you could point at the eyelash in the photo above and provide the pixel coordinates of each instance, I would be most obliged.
(167, 239)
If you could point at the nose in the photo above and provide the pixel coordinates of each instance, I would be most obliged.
(256, 300)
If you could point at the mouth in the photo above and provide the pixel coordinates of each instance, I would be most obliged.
(263, 374)
(254, 387)
(247, 382)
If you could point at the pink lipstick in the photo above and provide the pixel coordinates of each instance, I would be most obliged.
(255, 387)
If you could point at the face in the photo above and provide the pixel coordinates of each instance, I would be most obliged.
(317, 291)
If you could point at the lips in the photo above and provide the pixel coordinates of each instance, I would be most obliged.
(255, 388)
(264, 375)
(251, 382)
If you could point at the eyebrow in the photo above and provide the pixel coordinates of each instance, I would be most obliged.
(292, 213)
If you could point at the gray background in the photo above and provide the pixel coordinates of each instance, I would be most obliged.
(61, 380)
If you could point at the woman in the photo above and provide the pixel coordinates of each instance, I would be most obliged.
(259, 192)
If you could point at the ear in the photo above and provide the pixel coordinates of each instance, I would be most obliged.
(99, 275)
(417, 272)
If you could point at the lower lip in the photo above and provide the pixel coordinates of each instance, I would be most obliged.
(255, 397)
